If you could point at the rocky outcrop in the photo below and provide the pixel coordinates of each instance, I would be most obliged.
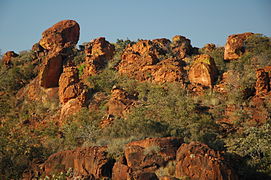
(72, 93)
(234, 47)
(146, 156)
(208, 47)
(118, 105)
(181, 46)
(7, 57)
(98, 53)
(198, 161)
(203, 71)
(61, 35)
(263, 80)
(91, 162)
(144, 62)
(69, 86)
(51, 70)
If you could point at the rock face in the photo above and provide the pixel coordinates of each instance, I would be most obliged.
(263, 80)
(146, 156)
(61, 35)
(203, 71)
(51, 70)
(7, 57)
(234, 47)
(98, 53)
(198, 161)
(90, 162)
(142, 62)
(69, 86)
(181, 46)
(72, 94)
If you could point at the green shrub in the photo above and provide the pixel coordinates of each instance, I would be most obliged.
(253, 145)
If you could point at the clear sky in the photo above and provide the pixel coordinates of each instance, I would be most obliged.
(203, 21)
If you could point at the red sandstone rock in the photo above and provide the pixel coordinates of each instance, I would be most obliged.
(181, 46)
(151, 153)
(69, 86)
(262, 81)
(90, 161)
(7, 57)
(120, 102)
(98, 53)
(141, 61)
(198, 161)
(209, 47)
(234, 47)
(51, 70)
(61, 35)
(203, 71)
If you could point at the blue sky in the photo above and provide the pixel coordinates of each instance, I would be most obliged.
(203, 21)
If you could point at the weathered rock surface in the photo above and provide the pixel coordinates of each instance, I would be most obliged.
(198, 161)
(234, 47)
(146, 156)
(90, 161)
(263, 80)
(120, 102)
(98, 53)
(181, 46)
(142, 62)
(51, 70)
(209, 47)
(7, 57)
(203, 71)
(61, 35)
(69, 86)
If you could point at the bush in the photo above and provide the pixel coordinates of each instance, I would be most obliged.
(253, 145)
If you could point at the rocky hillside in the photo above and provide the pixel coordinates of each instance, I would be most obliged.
(152, 109)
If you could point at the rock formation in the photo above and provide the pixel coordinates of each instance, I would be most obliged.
(56, 40)
(7, 57)
(263, 80)
(146, 156)
(234, 47)
(198, 161)
(145, 61)
(91, 162)
(61, 35)
(203, 71)
(181, 46)
(98, 53)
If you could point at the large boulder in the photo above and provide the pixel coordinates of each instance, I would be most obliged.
(98, 53)
(7, 57)
(234, 47)
(89, 161)
(146, 156)
(61, 35)
(198, 161)
(181, 46)
(203, 71)
(57, 41)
